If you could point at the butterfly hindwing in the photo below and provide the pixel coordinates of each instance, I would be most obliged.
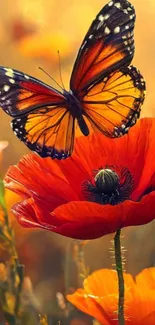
(49, 131)
(107, 46)
(113, 104)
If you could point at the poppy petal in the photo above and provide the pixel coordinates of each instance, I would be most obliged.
(149, 319)
(88, 306)
(146, 278)
(99, 298)
(100, 291)
(43, 178)
(30, 213)
(87, 220)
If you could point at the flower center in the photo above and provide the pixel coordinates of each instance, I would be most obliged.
(106, 181)
(109, 186)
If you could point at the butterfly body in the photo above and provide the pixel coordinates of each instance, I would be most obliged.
(106, 93)
(76, 110)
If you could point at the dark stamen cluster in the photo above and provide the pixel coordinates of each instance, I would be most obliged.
(109, 186)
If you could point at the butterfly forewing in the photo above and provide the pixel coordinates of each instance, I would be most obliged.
(20, 93)
(108, 45)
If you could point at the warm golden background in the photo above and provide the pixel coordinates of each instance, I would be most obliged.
(31, 32)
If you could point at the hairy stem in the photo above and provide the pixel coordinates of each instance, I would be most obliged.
(119, 269)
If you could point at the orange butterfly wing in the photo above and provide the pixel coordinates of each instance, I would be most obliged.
(41, 116)
(108, 45)
(49, 131)
(113, 104)
(110, 92)
(22, 93)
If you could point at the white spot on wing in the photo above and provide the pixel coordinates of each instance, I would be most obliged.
(106, 16)
(110, 3)
(6, 88)
(12, 81)
(27, 77)
(117, 30)
(9, 73)
(107, 31)
(101, 18)
(118, 5)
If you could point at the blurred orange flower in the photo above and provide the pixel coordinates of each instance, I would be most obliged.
(99, 298)
(47, 46)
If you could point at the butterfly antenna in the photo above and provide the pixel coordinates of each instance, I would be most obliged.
(50, 77)
(60, 70)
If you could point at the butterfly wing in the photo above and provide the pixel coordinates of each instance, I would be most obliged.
(20, 93)
(41, 117)
(113, 104)
(108, 45)
(49, 131)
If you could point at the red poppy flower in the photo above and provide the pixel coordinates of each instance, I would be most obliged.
(99, 298)
(107, 184)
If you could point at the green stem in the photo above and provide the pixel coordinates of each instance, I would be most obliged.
(119, 269)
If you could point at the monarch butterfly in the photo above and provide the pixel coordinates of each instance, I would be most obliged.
(105, 94)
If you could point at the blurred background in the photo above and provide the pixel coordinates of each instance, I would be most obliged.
(31, 33)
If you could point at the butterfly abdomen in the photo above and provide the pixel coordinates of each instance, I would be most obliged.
(75, 108)
(83, 126)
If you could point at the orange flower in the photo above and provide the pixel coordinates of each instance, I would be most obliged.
(99, 298)
(107, 184)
